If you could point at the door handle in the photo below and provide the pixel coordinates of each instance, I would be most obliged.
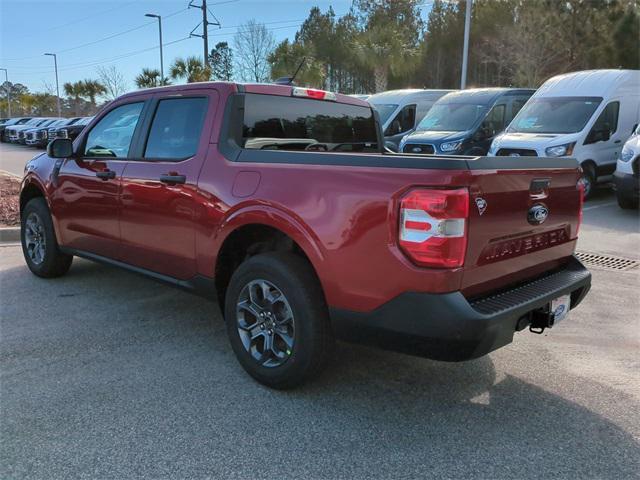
(106, 175)
(173, 179)
(617, 141)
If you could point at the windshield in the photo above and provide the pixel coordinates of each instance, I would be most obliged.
(384, 110)
(555, 115)
(451, 117)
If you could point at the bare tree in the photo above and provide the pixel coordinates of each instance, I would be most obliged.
(253, 43)
(113, 81)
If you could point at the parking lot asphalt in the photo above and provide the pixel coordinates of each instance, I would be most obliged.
(14, 157)
(105, 374)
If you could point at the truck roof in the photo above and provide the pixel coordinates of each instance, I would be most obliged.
(260, 88)
(591, 83)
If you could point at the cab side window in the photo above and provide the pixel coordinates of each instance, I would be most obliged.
(111, 136)
(606, 124)
(176, 128)
(405, 120)
(494, 121)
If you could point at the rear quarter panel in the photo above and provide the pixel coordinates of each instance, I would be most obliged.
(344, 218)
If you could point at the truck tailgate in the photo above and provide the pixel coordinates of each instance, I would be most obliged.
(522, 221)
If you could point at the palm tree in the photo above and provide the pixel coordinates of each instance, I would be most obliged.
(385, 51)
(191, 68)
(93, 88)
(150, 77)
(75, 90)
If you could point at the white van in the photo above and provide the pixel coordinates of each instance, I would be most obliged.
(400, 111)
(586, 115)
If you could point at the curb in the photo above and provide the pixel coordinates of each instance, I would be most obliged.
(10, 234)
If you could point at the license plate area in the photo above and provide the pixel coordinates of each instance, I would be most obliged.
(559, 308)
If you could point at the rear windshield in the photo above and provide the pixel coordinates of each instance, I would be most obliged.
(451, 117)
(287, 123)
(554, 115)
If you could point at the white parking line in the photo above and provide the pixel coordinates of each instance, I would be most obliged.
(608, 204)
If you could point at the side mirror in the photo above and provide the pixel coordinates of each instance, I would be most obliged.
(391, 147)
(60, 148)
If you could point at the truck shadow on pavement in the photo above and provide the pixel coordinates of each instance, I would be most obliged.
(105, 361)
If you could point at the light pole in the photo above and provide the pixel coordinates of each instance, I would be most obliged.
(465, 48)
(55, 64)
(6, 81)
(153, 15)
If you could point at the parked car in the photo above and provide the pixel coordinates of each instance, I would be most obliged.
(466, 121)
(52, 130)
(401, 110)
(441, 257)
(15, 133)
(39, 136)
(72, 131)
(626, 178)
(10, 122)
(28, 137)
(585, 115)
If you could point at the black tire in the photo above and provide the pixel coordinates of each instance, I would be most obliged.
(588, 178)
(626, 203)
(296, 281)
(52, 262)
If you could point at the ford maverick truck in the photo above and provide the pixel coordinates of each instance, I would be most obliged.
(280, 203)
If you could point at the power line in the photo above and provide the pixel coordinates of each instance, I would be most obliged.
(103, 39)
(73, 66)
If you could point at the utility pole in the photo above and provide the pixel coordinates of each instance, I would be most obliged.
(55, 64)
(465, 49)
(153, 15)
(205, 30)
(8, 87)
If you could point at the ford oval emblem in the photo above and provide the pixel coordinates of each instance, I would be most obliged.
(537, 214)
(416, 149)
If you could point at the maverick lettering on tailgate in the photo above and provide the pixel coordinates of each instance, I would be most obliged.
(501, 250)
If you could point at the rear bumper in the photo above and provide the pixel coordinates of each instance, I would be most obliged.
(450, 327)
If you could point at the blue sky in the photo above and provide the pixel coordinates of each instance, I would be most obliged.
(77, 31)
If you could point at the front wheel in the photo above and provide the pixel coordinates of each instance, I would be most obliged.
(625, 202)
(277, 320)
(39, 244)
(588, 180)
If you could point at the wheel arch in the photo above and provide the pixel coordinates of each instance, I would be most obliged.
(252, 232)
(30, 190)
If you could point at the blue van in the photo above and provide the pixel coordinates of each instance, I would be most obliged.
(465, 122)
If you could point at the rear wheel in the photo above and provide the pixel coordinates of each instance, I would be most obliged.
(277, 319)
(39, 244)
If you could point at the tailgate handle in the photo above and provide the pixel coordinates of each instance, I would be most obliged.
(539, 188)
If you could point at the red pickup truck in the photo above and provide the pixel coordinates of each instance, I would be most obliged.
(281, 203)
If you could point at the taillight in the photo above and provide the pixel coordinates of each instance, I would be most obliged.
(313, 93)
(433, 226)
(580, 187)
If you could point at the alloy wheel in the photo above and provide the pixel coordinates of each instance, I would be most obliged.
(34, 237)
(265, 323)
